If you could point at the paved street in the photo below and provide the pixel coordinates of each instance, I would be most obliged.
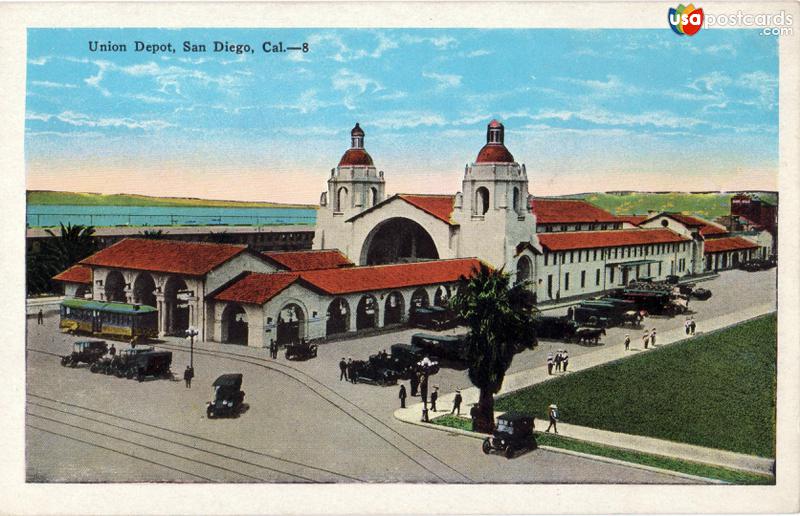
(303, 424)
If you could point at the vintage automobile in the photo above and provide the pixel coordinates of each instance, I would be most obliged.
(404, 358)
(447, 347)
(302, 350)
(556, 328)
(433, 318)
(88, 352)
(701, 293)
(372, 373)
(514, 432)
(148, 363)
(119, 363)
(228, 396)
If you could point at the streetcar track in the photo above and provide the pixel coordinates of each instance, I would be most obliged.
(228, 457)
(197, 437)
(269, 364)
(119, 452)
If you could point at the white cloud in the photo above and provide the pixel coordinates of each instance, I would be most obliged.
(394, 95)
(38, 116)
(479, 53)
(408, 119)
(353, 84)
(39, 61)
(443, 80)
(603, 117)
(766, 85)
(94, 80)
(613, 85)
(712, 82)
(725, 48)
(84, 120)
(306, 103)
(48, 84)
(440, 42)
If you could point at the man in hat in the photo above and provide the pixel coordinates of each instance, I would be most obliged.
(558, 361)
(342, 370)
(565, 360)
(686, 325)
(402, 396)
(188, 374)
(550, 363)
(653, 337)
(646, 338)
(552, 413)
(627, 342)
(434, 397)
(457, 404)
(692, 325)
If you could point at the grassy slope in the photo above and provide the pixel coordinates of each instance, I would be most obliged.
(93, 199)
(715, 390)
(706, 205)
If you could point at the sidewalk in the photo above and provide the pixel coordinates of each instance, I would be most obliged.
(609, 353)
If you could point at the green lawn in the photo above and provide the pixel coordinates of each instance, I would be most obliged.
(94, 199)
(716, 390)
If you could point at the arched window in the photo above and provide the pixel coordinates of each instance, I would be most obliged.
(523, 269)
(341, 199)
(515, 199)
(373, 196)
(481, 200)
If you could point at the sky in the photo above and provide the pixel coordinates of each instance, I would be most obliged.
(585, 110)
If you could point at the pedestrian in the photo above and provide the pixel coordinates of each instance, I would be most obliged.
(692, 326)
(342, 370)
(687, 325)
(424, 414)
(350, 370)
(558, 361)
(112, 350)
(646, 339)
(627, 342)
(653, 337)
(549, 363)
(188, 374)
(40, 317)
(423, 390)
(457, 404)
(552, 413)
(473, 414)
(434, 397)
(565, 360)
(414, 384)
(402, 396)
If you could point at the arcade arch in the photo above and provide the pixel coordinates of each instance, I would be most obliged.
(398, 240)
(235, 325)
(115, 287)
(338, 317)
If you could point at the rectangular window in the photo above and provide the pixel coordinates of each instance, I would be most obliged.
(579, 256)
(566, 281)
(648, 270)
(659, 268)
(595, 255)
(597, 277)
(583, 279)
(546, 254)
(611, 275)
(571, 256)
(563, 257)
(550, 286)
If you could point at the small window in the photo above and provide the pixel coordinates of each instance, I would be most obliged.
(597, 277)
(546, 254)
(566, 281)
(583, 279)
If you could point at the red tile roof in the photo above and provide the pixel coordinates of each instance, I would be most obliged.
(565, 211)
(440, 206)
(494, 153)
(621, 237)
(309, 260)
(257, 288)
(632, 219)
(706, 227)
(189, 258)
(75, 274)
(356, 158)
(717, 245)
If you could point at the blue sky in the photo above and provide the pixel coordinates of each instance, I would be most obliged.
(586, 110)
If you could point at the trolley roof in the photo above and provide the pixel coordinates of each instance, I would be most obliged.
(119, 308)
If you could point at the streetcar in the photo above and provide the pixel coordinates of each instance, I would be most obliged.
(120, 321)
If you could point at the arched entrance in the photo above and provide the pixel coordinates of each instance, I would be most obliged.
(398, 240)
(290, 328)
(523, 270)
(338, 317)
(419, 299)
(367, 313)
(442, 296)
(115, 287)
(234, 320)
(394, 308)
(144, 290)
(176, 306)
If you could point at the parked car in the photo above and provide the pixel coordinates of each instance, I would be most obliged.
(372, 373)
(88, 352)
(433, 318)
(556, 328)
(302, 350)
(448, 347)
(701, 293)
(149, 363)
(514, 432)
(228, 396)
(121, 362)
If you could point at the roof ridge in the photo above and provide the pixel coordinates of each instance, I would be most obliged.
(361, 267)
(178, 241)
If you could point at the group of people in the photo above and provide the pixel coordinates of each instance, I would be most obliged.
(559, 362)
(648, 339)
(346, 370)
(690, 326)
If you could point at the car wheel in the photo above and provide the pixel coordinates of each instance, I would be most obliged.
(210, 413)
(129, 374)
(487, 446)
(509, 452)
(94, 368)
(65, 361)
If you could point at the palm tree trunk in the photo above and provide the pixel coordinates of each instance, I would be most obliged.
(483, 421)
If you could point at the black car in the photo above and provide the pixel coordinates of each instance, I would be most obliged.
(701, 293)
(555, 328)
(408, 358)
(372, 372)
(149, 363)
(448, 347)
(228, 396)
(120, 363)
(514, 431)
(88, 352)
(433, 318)
(302, 350)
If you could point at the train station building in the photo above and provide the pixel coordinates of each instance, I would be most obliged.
(376, 258)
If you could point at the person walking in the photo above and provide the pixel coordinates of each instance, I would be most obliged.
(112, 350)
(552, 413)
(342, 370)
(565, 360)
(549, 363)
(188, 374)
(558, 361)
(457, 404)
(692, 326)
(653, 337)
(414, 383)
(351, 370)
(423, 390)
(687, 325)
(40, 317)
(646, 338)
(434, 397)
(402, 396)
(627, 342)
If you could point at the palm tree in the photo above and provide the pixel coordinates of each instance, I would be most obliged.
(72, 245)
(154, 234)
(500, 318)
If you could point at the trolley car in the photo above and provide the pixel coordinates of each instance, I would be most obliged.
(112, 320)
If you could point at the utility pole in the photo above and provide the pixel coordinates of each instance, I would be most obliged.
(191, 332)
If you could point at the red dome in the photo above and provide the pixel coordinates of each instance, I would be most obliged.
(356, 158)
(494, 153)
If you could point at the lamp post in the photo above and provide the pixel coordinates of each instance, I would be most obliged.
(191, 332)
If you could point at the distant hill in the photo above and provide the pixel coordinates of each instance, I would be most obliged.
(42, 197)
(707, 205)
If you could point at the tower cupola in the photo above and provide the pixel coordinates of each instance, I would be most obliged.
(356, 156)
(495, 150)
